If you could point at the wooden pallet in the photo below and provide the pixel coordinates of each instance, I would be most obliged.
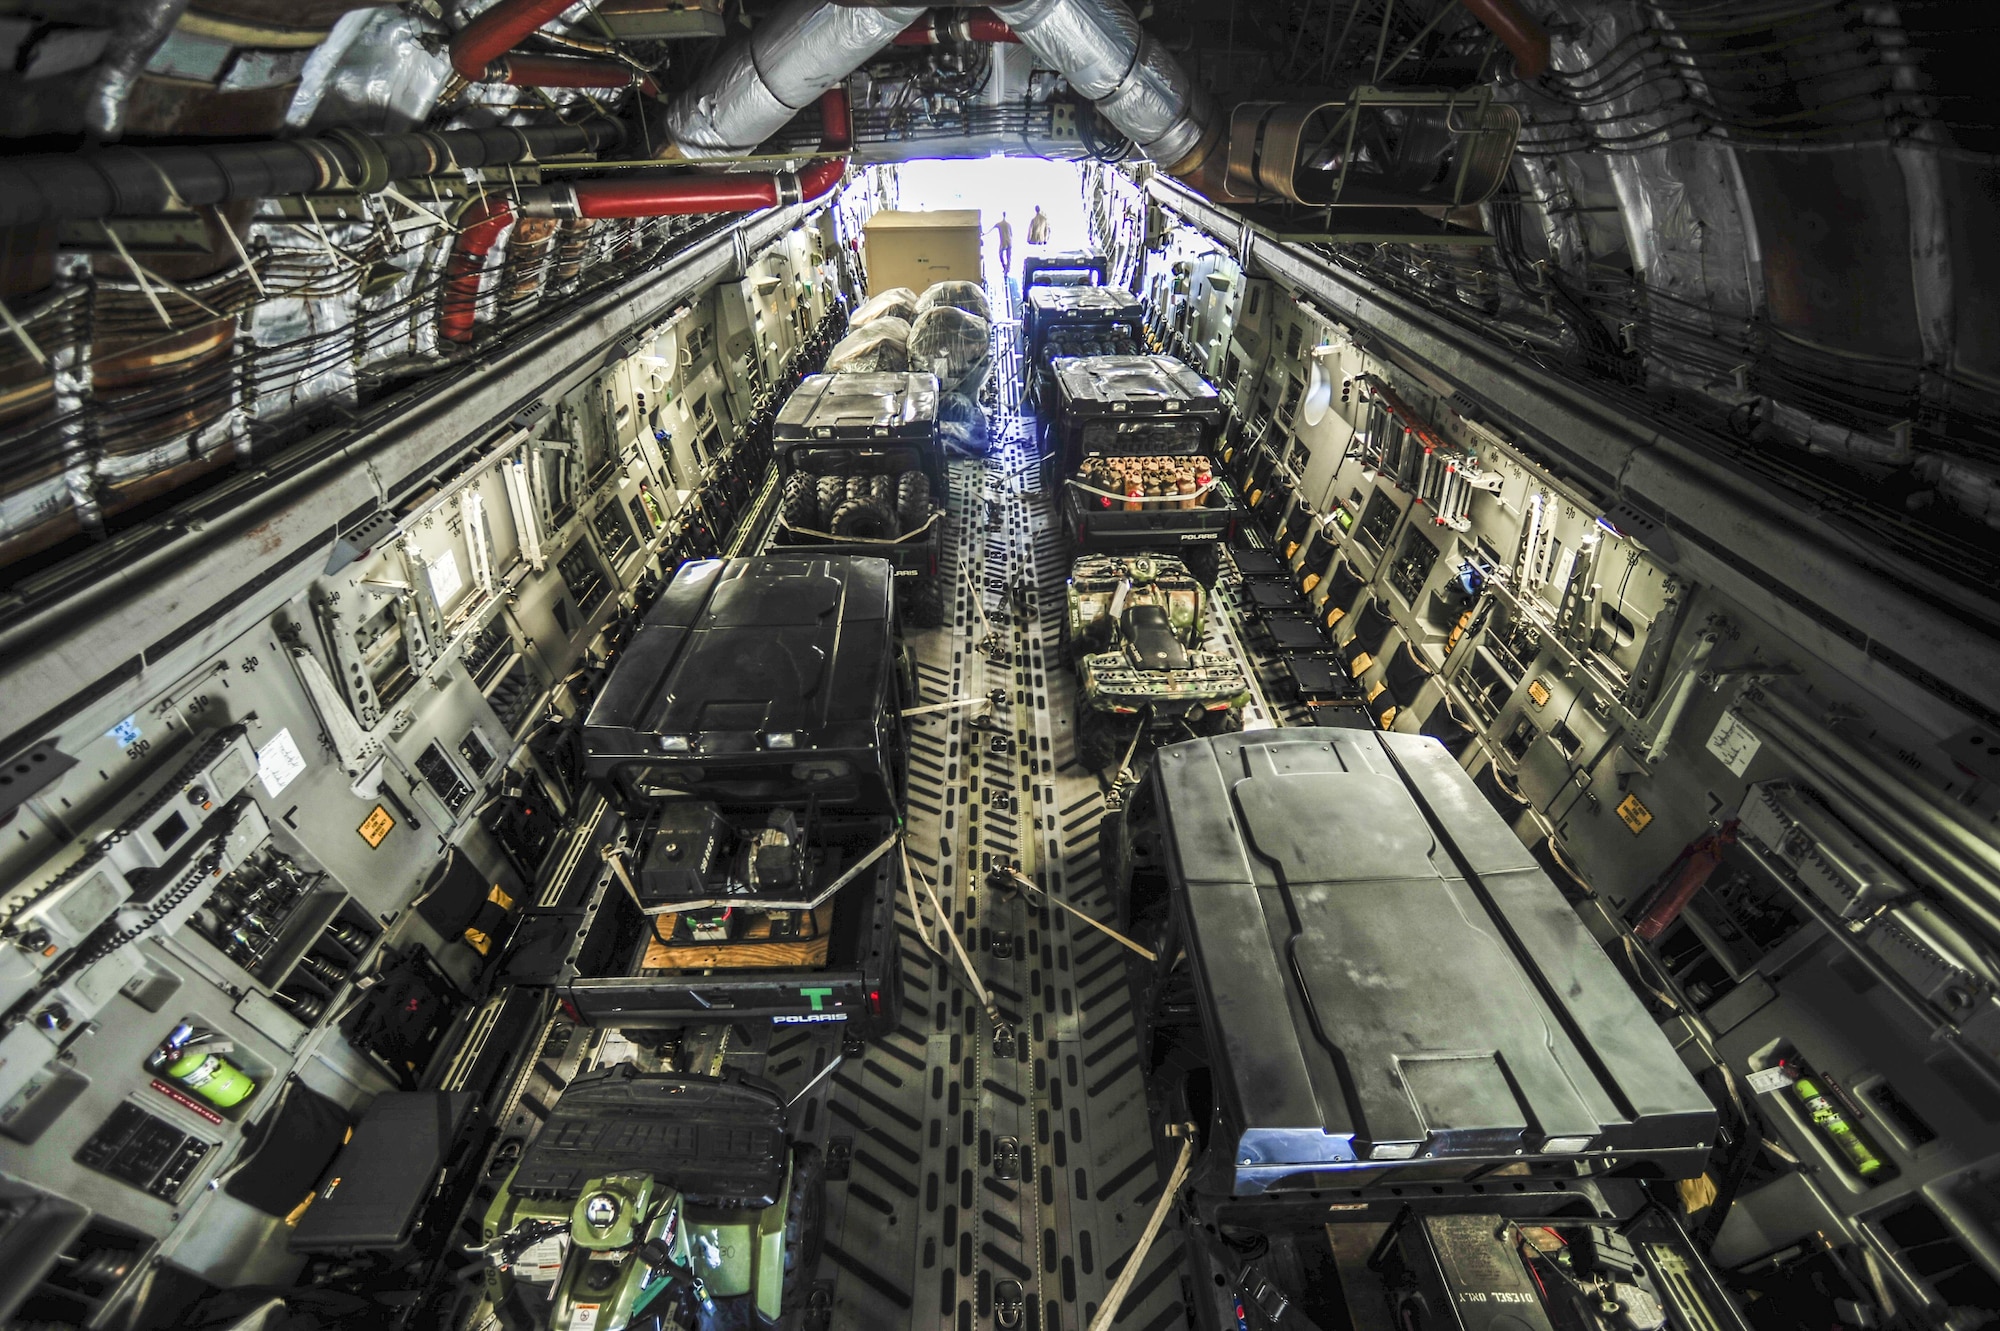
(753, 950)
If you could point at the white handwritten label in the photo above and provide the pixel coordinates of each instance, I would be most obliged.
(279, 762)
(445, 580)
(1734, 744)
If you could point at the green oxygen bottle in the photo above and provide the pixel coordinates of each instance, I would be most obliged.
(1833, 1125)
(211, 1076)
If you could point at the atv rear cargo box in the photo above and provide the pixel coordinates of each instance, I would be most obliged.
(1108, 410)
(861, 471)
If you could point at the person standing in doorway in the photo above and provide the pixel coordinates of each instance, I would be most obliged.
(1006, 232)
(1038, 227)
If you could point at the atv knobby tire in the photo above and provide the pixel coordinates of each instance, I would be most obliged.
(832, 489)
(860, 519)
(805, 1230)
(923, 604)
(1204, 562)
(799, 504)
(1100, 740)
(913, 501)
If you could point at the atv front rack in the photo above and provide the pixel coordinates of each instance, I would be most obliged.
(615, 857)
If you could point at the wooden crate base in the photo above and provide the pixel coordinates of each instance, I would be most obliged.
(755, 949)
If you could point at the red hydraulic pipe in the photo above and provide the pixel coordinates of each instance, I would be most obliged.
(836, 121)
(631, 196)
(555, 71)
(1518, 32)
(1697, 862)
(820, 176)
(482, 224)
(976, 25)
(494, 33)
(641, 196)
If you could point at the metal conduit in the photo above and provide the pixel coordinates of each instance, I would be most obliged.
(1929, 861)
(115, 182)
(1920, 802)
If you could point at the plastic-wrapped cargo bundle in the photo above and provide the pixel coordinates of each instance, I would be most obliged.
(967, 296)
(962, 423)
(895, 303)
(882, 345)
(953, 345)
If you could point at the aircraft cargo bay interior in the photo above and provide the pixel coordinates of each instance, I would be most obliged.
(828, 665)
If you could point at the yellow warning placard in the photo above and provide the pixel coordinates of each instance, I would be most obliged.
(1538, 692)
(1634, 814)
(376, 826)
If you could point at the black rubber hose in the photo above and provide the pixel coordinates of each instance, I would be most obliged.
(114, 182)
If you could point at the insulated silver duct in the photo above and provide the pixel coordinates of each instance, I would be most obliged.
(1135, 82)
(141, 30)
(749, 91)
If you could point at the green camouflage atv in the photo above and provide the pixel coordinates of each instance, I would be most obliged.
(1133, 631)
(657, 1201)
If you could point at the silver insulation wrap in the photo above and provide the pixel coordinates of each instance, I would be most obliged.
(752, 89)
(1107, 57)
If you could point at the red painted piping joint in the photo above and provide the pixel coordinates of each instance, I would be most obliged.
(481, 226)
(1518, 32)
(494, 33)
(975, 25)
(554, 71)
(836, 121)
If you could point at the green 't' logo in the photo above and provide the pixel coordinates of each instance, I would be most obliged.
(818, 997)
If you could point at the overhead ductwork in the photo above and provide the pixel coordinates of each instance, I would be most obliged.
(126, 182)
(751, 90)
(1134, 82)
(1517, 30)
(973, 25)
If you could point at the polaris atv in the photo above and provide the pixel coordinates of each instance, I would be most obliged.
(1133, 632)
(662, 1201)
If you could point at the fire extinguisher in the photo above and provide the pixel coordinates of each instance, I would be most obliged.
(1685, 878)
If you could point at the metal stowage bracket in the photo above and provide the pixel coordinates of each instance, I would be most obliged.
(615, 857)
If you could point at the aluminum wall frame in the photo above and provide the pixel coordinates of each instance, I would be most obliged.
(1885, 623)
(89, 641)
